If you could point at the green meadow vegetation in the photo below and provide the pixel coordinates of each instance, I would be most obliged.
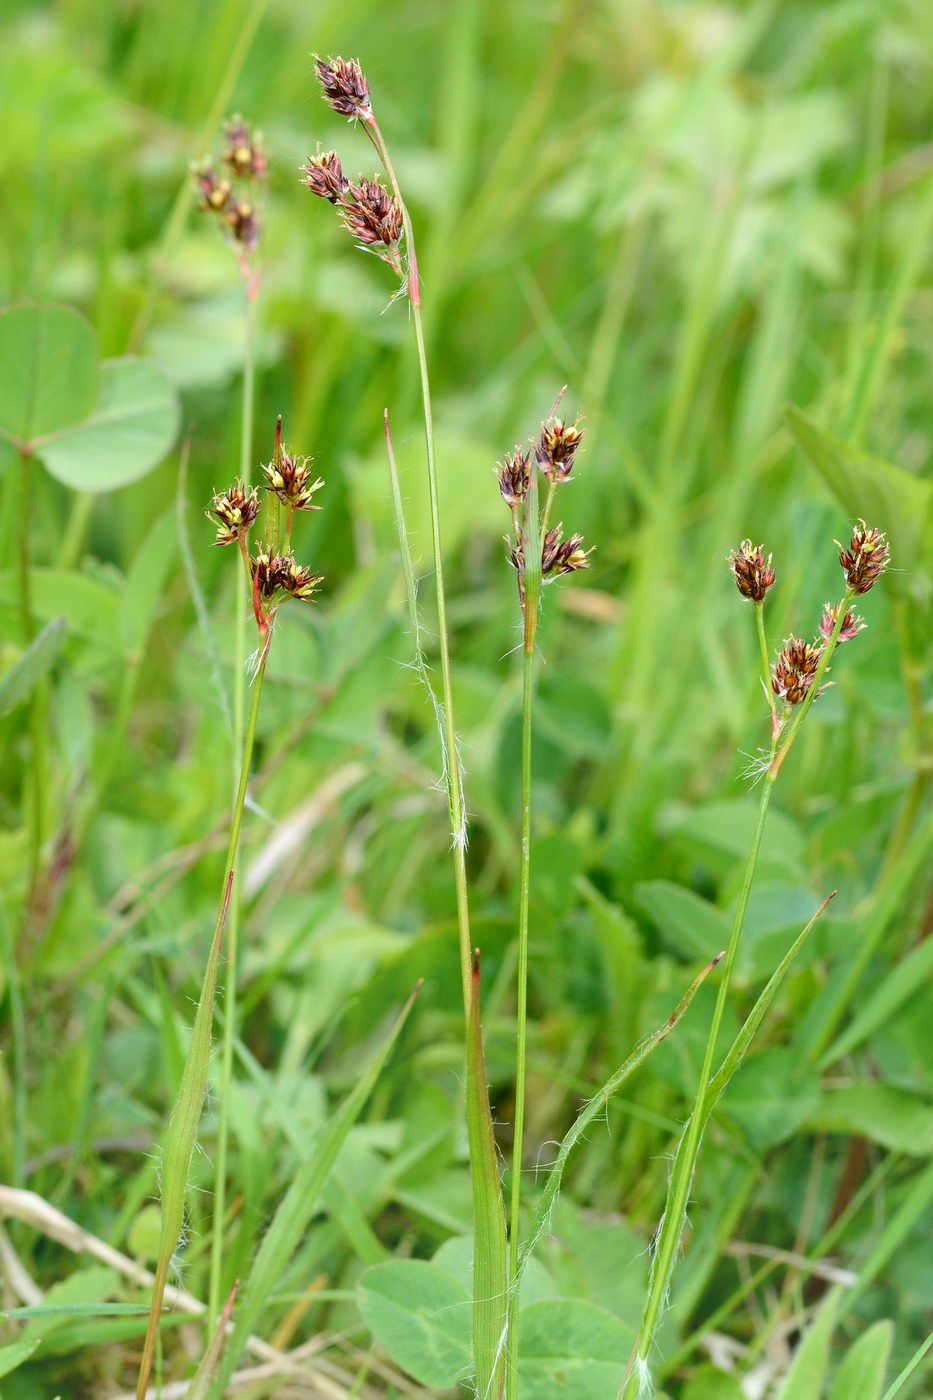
(415, 984)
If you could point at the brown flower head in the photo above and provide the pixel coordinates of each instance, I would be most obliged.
(852, 624)
(794, 670)
(291, 481)
(514, 473)
(269, 574)
(560, 556)
(866, 558)
(557, 447)
(324, 177)
(214, 194)
(298, 581)
(244, 225)
(235, 510)
(345, 86)
(753, 573)
(243, 150)
(372, 215)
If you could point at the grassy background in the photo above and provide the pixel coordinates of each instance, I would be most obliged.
(691, 214)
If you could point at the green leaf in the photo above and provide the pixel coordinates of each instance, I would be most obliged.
(290, 1221)
(709, 1383)
(18, 682)
(771, 1095)
(89, 607)
(886, 495)
(900, 984)
(132, 428)
(891, 1117)
(48, 369)
(804, 1380)
(145, 582)
(861, 1375)
(420, 1314)
(15, 1354)
(91, 1285)
(693, 926)
(570, 1348)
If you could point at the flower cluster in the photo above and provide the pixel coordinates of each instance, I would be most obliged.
(799, 663)
(274, 573)
(368, 211)
(753, 573)
(345, 86)
(234, 207)
(553, 451)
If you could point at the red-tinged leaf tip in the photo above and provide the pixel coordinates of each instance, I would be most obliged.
(417, 987)
(476, 965)
(831, 895)
(718, 959)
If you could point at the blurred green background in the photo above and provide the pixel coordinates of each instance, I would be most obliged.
(691, 214)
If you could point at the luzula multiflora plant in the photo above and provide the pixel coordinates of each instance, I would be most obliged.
(377, 217)
(539, 555)
(234, 196)
(273, 577)
(792, 685)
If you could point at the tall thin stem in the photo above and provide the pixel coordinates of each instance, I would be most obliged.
(765, 662)
(521, 1013)
(682, 1177)
(37, 708)
(216, 1290)
(455, 801)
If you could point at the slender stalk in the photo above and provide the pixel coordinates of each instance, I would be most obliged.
(455, 801)
(800, 713)
(682, 1177)
(765, 662)
(182, 1129)
(216, 1287)
(524, 891)
(37, 708)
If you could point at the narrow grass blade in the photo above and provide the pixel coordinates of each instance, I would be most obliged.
(35, 661)
(861, 1375)
(755, 1017)
(909, 1369)
(180, 1138)
(490, 1265)
(594, 1107)
(211, 1358)
(296, 1208)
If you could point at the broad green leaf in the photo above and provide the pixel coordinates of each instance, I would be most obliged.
(771, 1095)
(133, 426)
(805, 1379)
(709, 1383)
(18, 682)
(570, 1348)
(891, 1117)
(48, 370)
(696, 928)
(420, 1314)
(897, 987)
(15, 1354)
(89, 608)
(145, 582)
(290, 1221)
(861, 1375)
(886, 495)
(91, 1285)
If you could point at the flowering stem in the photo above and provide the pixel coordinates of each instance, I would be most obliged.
(455, 801)
(216, 1290)
(679, 1190)
(38, 705)
(801, 710)
(766, 663)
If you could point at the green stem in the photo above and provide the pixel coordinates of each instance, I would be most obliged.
(682, 1177)
(455, 801)
(38, 705)
(524, 891)
(216, 1290)
(765, 661)
(801, 710)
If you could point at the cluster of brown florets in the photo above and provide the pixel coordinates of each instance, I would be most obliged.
(369, 212)
(799, 662)
(274, 573)
(553, 452)
(222, 195)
